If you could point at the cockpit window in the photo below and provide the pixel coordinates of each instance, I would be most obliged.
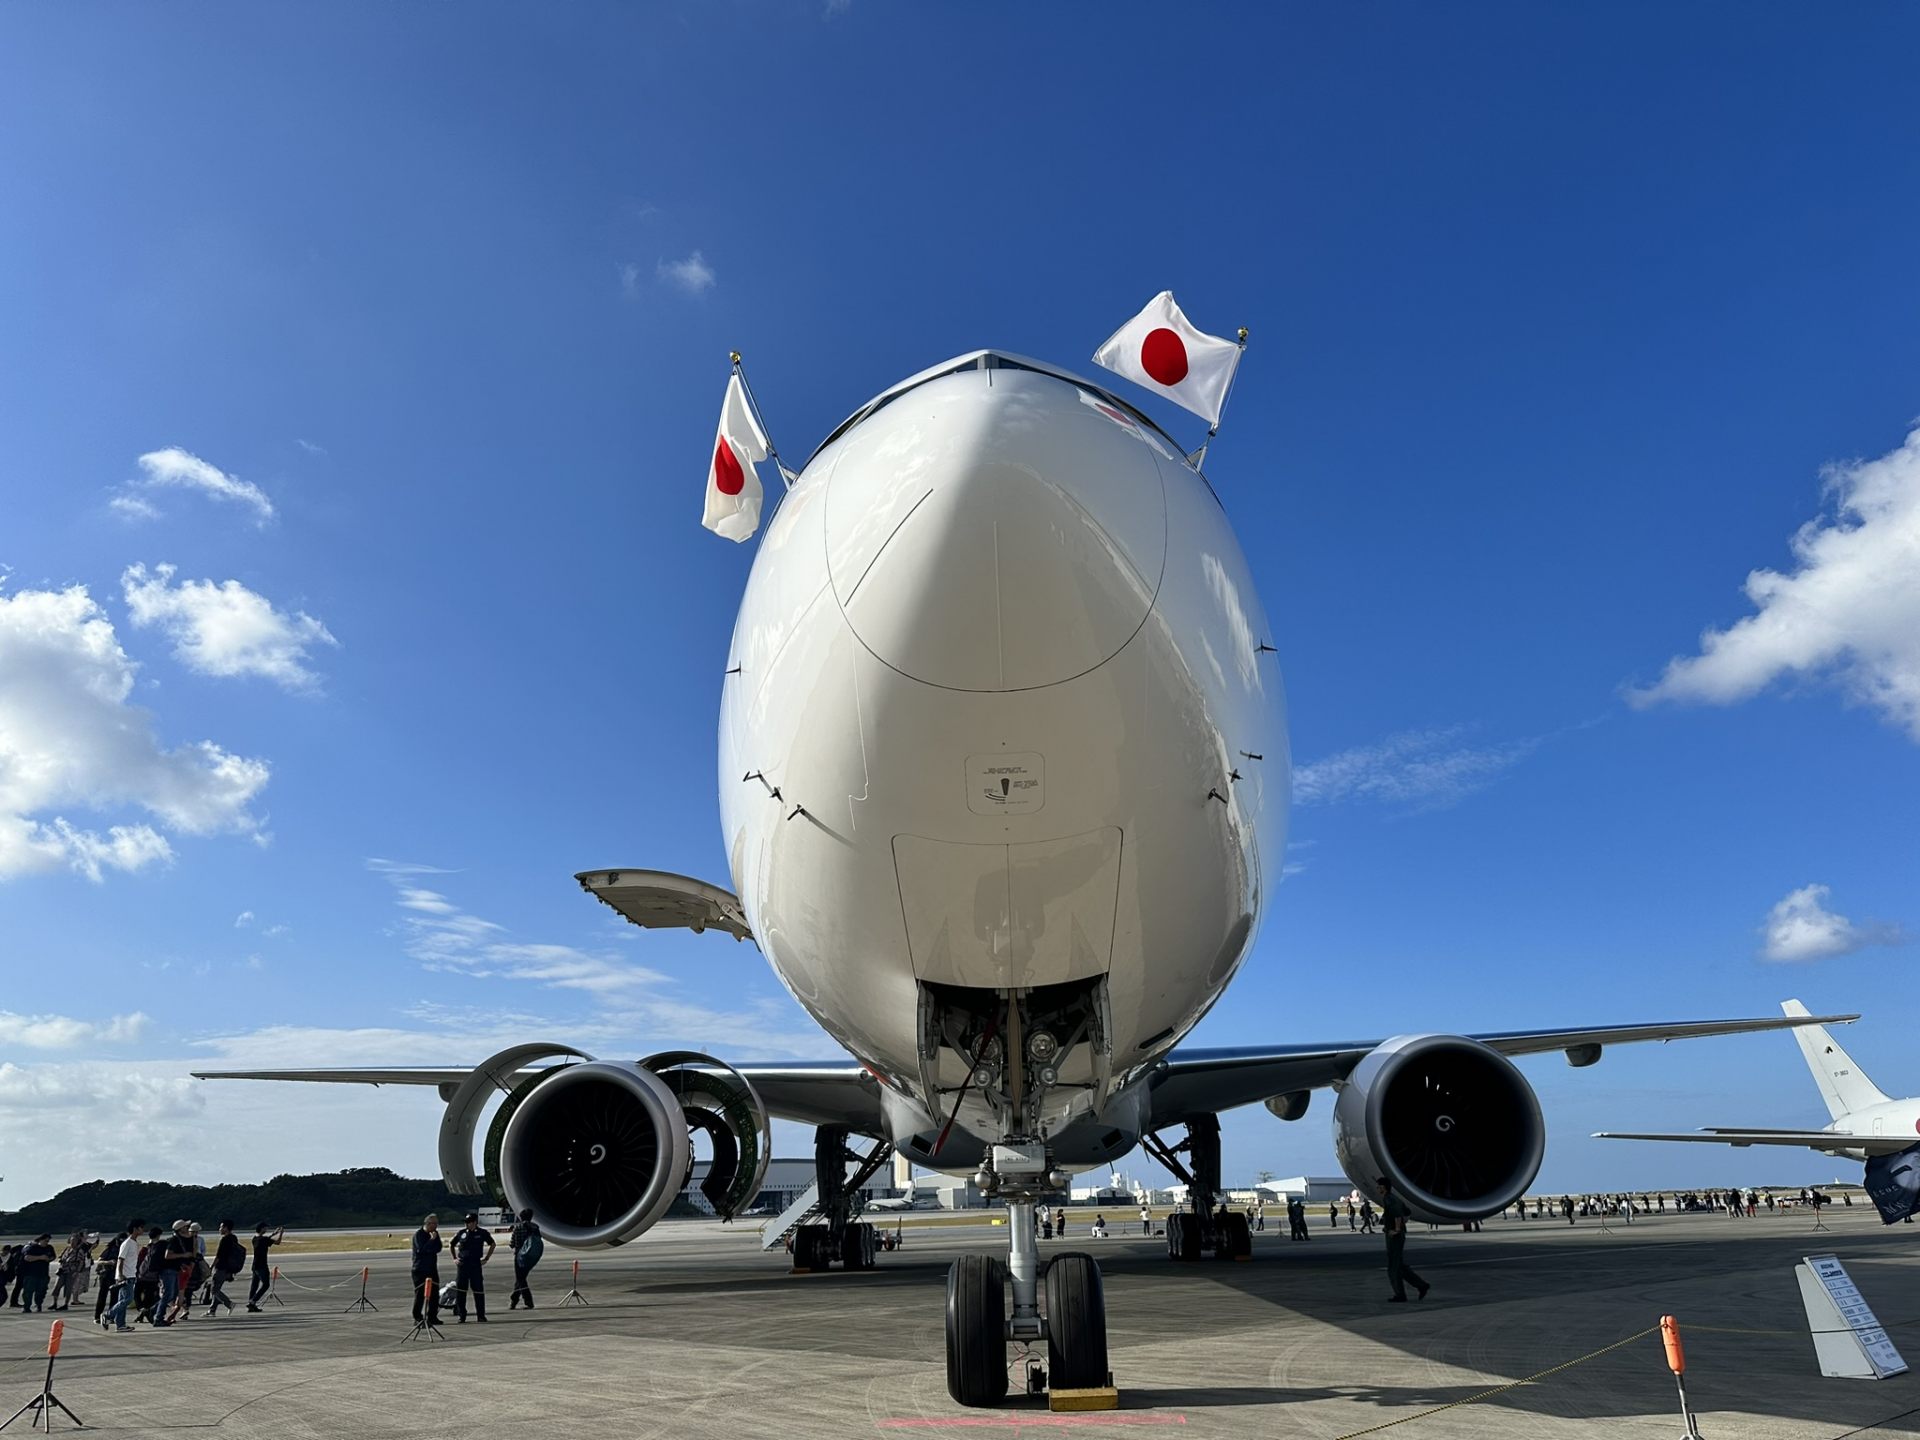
(988, 361)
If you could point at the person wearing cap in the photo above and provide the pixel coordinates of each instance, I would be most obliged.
(164, 1259)
(472, 1248)
(1393, 1211)
(34, 1260)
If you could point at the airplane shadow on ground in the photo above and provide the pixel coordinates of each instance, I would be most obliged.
(1505, 1304)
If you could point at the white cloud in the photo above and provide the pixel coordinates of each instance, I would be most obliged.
(309, 446)
(834, 9)
(628, 999)
(132, 507)
(225, 629)
(693, 274)
(1848, 612)
(630, 281)
(69, 739)
(62, 1032)
(177, 469)
(1426, 769)
(1801, 928)
(243, 919)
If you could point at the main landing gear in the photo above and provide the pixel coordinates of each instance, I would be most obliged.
(838, 1236)
(1201, 1229)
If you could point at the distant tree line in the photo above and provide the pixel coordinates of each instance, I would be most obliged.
(348, 1199)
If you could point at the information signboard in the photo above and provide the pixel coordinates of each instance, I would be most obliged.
(1847, 1338)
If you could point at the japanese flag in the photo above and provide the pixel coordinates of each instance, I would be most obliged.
(733, 489)
(1160, 349)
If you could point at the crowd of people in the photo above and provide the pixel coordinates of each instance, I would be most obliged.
(1734, 1204)
(141, 1275)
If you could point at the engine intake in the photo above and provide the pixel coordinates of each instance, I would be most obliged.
(1452, 1123)
(597, 1151)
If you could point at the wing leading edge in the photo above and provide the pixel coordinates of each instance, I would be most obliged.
(1812, 1139)
(827, 1092)
(1199, 1081)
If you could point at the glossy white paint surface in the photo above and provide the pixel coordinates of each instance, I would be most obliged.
(999, 576)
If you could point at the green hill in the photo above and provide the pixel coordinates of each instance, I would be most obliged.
(349, 1199)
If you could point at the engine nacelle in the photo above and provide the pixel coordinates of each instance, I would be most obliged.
(599, 1150)
(1453, 1124)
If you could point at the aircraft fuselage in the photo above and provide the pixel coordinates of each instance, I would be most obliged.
(998, 685)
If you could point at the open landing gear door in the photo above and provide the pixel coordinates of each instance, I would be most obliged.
(658, 900)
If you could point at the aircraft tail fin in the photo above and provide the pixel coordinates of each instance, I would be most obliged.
(1843, 1085)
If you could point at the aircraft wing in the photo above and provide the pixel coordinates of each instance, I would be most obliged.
(1198, 1081)
(826, 1092)
(1811, 1139)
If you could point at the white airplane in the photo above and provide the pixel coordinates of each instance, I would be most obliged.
(1003, 783)
(893, 1203)
(1866, 1123)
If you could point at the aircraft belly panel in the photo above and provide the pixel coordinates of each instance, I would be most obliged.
(1000, 916)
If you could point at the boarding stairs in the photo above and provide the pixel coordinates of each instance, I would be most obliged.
(806, 1205)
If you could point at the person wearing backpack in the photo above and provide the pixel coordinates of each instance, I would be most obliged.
(229, 1259)
(528, 1247)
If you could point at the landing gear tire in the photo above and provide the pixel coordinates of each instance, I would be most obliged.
(1076, 1324)
(857, 1246)
(977, 1330)
(810, 1248)
(1235, 1238)
(1183, 1237)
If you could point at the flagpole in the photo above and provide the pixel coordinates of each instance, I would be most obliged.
(1199, 457)
(787, 477)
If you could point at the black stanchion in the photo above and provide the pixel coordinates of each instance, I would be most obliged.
(429, 1321)
(573, 1296)
(46, 1402)
(363, 1303)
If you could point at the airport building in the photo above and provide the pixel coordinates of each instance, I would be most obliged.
(784, 1181)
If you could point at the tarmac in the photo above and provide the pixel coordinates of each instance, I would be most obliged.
(694, 1332)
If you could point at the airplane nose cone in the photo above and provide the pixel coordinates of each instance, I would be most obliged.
(997, 530)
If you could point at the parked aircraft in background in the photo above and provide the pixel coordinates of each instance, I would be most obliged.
(1867, 1124)
(904, 1202)
(1003, 784)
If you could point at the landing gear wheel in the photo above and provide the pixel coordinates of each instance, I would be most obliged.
(1076, 1323)
(856, 1246)
(810, 1248)
(977, 1330)
(1183, 1237)
(1235, 1241)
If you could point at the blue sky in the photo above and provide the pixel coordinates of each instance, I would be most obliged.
(1564, 322)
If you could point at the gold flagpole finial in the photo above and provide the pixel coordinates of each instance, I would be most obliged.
(1243, 334)
(734, 356)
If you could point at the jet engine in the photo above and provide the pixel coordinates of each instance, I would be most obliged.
(1451, 1123)
(600, 1149)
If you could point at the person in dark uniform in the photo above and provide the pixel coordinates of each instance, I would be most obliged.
(527, 1246)
(1393, 1211)
(263, 1243)
(426, 1266)
(472, 1248)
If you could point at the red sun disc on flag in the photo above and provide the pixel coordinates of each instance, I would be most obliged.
(1163, 355)
(728, 477)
